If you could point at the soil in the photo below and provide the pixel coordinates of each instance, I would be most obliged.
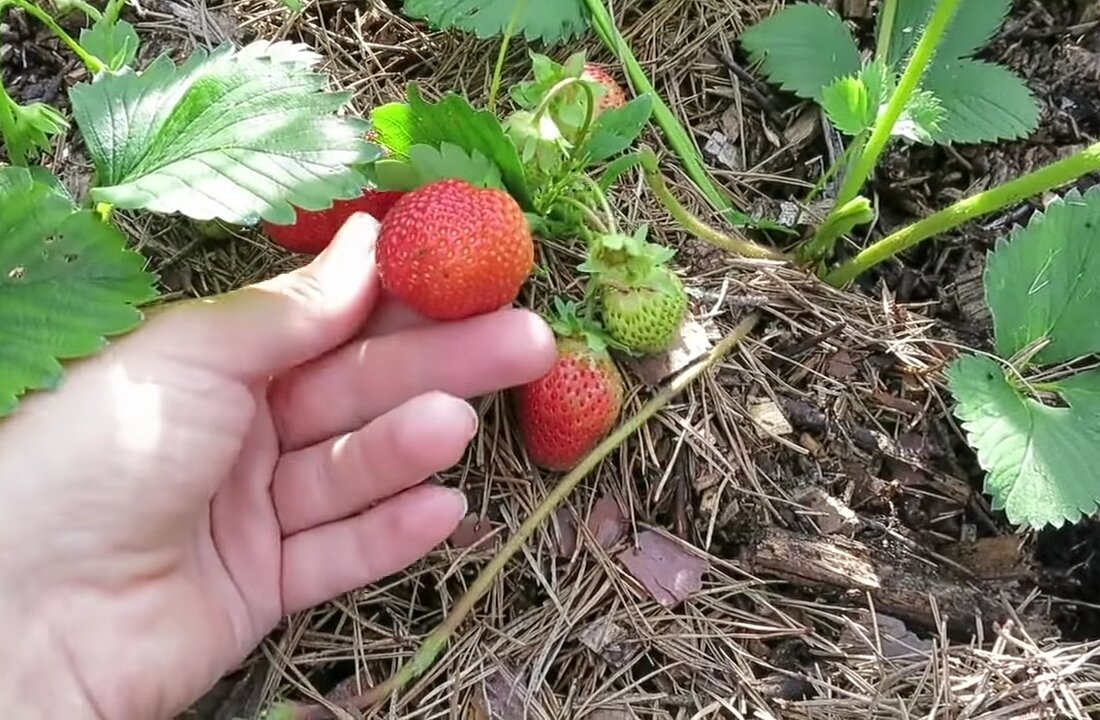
(897, 460)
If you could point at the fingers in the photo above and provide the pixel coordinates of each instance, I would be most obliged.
(337, 478)
(322, 563)
(343, 391)
(264, 329)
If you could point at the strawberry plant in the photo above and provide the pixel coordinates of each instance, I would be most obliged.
(233, 135)
(1032, 410)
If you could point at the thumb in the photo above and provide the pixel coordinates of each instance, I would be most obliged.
(267, 328)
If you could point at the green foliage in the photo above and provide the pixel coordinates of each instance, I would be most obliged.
(426, 164)
(549, 21)
(807, 49)
(618, 128)
(803, 49)
(233, 135)
(451, 120)
(1043, 283)
(67, 282)
(114, 43)
(28, 129)
(1039, 442)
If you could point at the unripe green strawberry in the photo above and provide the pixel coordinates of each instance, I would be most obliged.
(645, 319)
(566, 413)
(450, 250)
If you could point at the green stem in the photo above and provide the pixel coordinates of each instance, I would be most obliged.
(985, 203)
(426, 655)
(589, 115)
(884, 127)
(90, 61)
(886, 29)
(498, 70)
(678, 138)
(612, 223)
(114, 9)
(735, 245)
(843, 161)
(87, 9)
(592, 217)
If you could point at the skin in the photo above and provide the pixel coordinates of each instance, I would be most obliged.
(232, 461)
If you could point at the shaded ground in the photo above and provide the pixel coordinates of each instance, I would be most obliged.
(818, 473)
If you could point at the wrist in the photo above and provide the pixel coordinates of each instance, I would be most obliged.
(37, 680)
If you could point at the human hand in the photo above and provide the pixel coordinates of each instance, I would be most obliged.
(232, 461)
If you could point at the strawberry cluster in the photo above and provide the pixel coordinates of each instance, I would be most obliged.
(450, 249)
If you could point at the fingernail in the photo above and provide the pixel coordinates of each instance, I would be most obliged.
(461, 498)
(475, 421)
(351, 249)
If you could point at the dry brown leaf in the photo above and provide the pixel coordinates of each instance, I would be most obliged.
(607, 639)
(606, 522)
(502, 696)
(691, 343)
(664, 568)
(894, 637)
(470, 532)
(565, 532)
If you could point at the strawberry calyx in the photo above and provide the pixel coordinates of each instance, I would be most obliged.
(630, 261)
(569, 323)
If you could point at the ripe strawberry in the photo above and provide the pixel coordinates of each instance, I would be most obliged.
(565, 414)
(313, 230)
(613, 94)
(645, 317)
(642, 301)
(450, 250)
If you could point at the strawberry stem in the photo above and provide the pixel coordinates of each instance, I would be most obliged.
(589, 215)
(612, 223)
(590, 109)
(498, 70)
(736, 245)
(426, 655)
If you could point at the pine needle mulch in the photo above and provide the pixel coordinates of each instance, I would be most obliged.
(835, 566)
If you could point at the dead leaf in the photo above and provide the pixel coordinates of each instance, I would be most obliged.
(606, 522)
(894, 637)
(723, 149)
(607, 639)
(664, 568)
(991, 558)
(692, 343)
(470, 532)
(616, 713)
(841, 365)
(565, 532)
(503, 696)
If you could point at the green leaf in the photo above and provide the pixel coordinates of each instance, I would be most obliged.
(803, 49)
(28, 129)
(393, 124)
(974, 24)
(67, 282)
(1041, 283)
(618, 128)
(453, 120)
(850, 105)
(114, 43)
(236, 135)
(1040, 460)
(427, 164)
(922, 119)
(549, 21)
(293, 5)
(981, 102)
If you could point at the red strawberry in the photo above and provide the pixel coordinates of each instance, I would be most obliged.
(450, 250)
(313, 230)
(613, 96)
(567, 412)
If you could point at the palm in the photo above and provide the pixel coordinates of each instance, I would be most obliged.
(179, 500)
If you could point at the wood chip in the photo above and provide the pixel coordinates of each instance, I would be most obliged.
(565, 532)
(831, 514)
(691, 344)
(770, 418)
(992, 558)
(470, 532)
(664, 568)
